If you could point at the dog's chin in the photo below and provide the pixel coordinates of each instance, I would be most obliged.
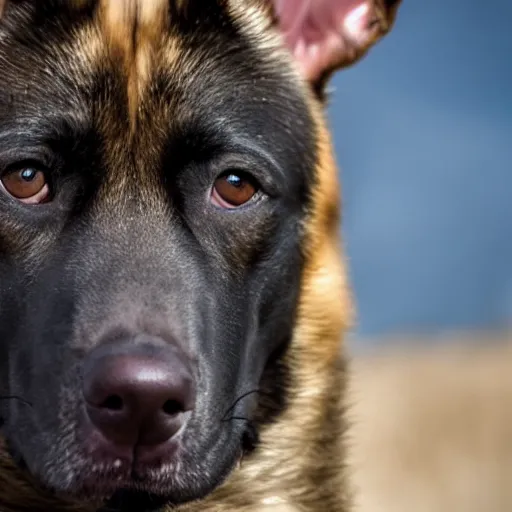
(119, 492)
(131, 500)
(136, 488)
(135, 483)
(127, 495)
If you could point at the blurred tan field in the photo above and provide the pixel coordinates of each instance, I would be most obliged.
(432, 427)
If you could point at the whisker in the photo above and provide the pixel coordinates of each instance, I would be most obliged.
(238, 400)
(14, 397)
(240, 418)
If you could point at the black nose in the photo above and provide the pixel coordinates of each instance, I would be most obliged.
(137, 394)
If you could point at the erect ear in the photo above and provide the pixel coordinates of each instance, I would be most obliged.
(326, 35)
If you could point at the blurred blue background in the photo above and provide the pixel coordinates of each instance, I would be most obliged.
(423, 133)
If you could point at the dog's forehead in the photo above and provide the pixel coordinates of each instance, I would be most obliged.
(139, 38)
(178, 36)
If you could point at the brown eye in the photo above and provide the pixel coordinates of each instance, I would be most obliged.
(232, 190)
(27, 184)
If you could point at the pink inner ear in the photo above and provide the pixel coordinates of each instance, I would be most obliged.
(324, 33)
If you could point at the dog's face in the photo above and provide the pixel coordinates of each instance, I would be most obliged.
(159, 166)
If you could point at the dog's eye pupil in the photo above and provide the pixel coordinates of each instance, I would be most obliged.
(28, 174)
(234, 180)
(232, 190)
(27, 184)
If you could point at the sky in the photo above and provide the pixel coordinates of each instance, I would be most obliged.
(423, 135)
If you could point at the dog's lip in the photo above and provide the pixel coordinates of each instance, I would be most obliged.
(103, 479)
(134, 460)
(104, 487)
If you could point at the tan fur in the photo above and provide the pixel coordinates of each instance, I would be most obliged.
(432, 428)
(132, 28)
(255, 19)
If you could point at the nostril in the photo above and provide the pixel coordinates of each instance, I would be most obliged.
(113, 403)
(172, 408)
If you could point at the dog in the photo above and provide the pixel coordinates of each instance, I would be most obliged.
(172, 284)
(431, 426)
